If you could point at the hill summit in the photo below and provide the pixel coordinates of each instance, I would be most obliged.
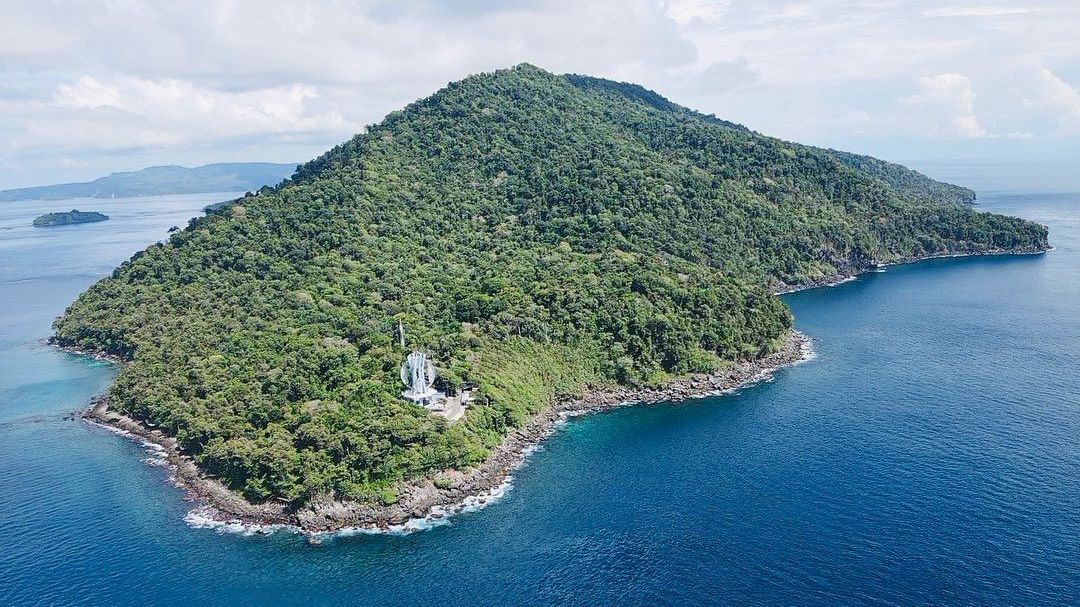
(537, 234)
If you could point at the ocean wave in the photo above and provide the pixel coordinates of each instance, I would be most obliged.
(114, 430)
(841, 281)
(439, 515)
(205, 517)
(157, 455)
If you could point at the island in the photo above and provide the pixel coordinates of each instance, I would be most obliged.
(531, 244)
(65, 218)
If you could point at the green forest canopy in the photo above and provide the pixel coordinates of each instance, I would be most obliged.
(536, 233)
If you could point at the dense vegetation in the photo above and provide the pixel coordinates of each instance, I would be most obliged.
(537, 233)
(154, 181)
(64, 218)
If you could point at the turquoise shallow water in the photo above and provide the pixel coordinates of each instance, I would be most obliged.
(929, 454)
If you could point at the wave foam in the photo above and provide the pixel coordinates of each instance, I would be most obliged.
(203, 518)
(841, 281)
(157, 455)
(114, 430)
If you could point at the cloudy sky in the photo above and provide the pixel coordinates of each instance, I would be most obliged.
(88, 87)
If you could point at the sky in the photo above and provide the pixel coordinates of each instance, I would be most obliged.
(89, 87)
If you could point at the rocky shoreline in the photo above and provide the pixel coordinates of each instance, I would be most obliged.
(446, 493)
(848, 270)
(451, 491)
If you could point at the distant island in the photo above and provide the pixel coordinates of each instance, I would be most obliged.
(161, 180)
(525, 243)
(68, 218)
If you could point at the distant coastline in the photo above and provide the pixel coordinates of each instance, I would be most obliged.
(855, 270)
(162, 180)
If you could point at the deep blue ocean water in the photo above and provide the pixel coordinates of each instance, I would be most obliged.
(929, 455)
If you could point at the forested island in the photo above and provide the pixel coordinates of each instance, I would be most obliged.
(64, 218)
(161, 180)
(544, 237)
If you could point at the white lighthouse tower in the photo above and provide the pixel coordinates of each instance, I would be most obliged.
(418, 375)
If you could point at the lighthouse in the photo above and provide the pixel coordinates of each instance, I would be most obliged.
(418, 375)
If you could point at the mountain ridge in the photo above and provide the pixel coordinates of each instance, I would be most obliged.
(162, 180)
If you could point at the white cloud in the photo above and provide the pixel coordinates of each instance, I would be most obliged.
(184, 105)
(125, 112)
(87, 93)
(282, 79)
(1053, 93)
(949, 102)
(977, 11)
(686, 11)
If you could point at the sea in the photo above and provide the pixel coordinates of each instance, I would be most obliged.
(928, 454)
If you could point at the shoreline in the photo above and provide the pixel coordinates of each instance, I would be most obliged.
(421, 503)
(853, 271)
